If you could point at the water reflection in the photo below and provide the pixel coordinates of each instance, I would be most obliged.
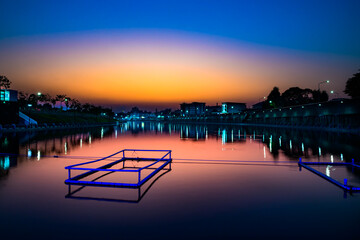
(293, 143)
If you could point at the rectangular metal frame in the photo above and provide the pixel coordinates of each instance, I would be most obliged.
(166, 158)
(344, 186)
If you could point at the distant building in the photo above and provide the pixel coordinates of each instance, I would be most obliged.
(7, 95)
(232, 107)
(192, 109)
(9, 107)
(213, 110)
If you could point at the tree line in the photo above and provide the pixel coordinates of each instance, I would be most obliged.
(48, 102)
(57, 102)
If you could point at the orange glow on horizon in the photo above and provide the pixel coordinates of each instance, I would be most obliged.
(140, 68)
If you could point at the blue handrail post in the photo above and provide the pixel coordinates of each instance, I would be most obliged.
(345, 182)
(69, 175)
(139, 177)
(300, 160)
(170, 154)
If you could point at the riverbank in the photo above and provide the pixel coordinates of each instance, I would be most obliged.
(53, 120)
(45, 127)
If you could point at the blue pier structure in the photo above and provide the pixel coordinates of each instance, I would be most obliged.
(143, 174)
(345, 186)
(140, 192)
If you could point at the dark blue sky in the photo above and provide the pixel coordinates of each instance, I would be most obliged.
(314, 26)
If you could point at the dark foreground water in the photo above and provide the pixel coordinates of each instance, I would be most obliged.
(225, 182)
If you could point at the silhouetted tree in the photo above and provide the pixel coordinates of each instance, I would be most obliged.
(297, 96)
(353, 86)
(274, 99)
(75, 104)
(319, 96)
(23, 99)
(4, 82)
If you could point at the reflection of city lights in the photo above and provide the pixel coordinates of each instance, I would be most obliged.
(102, 133)
(328, 170)
(38, 155)
(270, 146)
(319, 151)
(263, 138)
(280, 141)
(65, 148)
(302, 147)
(331, 158)
(81, 143)
(290, 145)
(89, 139)
(341, 157)
(264, 152)
(232, 135)
(116, 133)
(29, 153)
(5, 164)
(223, 138)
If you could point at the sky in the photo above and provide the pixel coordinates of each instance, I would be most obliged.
(157, 54)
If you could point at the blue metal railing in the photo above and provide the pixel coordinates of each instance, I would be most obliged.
(344, 185)
(166, 158)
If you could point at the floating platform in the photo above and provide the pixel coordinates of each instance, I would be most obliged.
(344, 185)
(159, 160)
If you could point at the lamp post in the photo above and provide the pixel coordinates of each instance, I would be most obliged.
(327, 81)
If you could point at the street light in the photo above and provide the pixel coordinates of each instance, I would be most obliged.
(262, 98)
(333, 92)
(39, 93)
(327, 81)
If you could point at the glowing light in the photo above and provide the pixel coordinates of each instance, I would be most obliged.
(224, 136)
(81, 143)
(341, 157)
(29, 154)
(331, 158)
(302, 147)
(319, 151)
(90, 139)
(102, 133)
(328, 170)
(65, 148)
(5, 164)
(38, 155)
(264, 152)
(290, 145)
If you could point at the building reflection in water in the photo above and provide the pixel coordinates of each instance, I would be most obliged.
(293, 143)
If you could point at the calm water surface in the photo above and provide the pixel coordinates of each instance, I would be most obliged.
(225, 182)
